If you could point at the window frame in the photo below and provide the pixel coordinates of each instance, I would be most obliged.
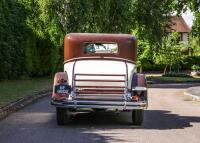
(102, 42)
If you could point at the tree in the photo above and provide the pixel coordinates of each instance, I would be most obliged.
(194, 43)
(183, 5)
(196, 25)
(194, 38)
(32, 31)
(109, 16)
(151, 18)
(170, 52)
(144, 54)
(43, 52)
(13, 32)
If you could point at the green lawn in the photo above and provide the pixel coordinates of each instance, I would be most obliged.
(162, 79)
(14, 89)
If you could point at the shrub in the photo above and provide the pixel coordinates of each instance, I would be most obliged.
(153, 67)
(176, 75)
(195, 68)
(189, 61)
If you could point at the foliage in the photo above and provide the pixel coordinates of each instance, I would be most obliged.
(194, 43)
(195, 68)
(188, 61)
(109, 16)
(28, 41)
(144, 54)
(164, 79)
(195, 37)
(196, 25)
(13, 32)
(32, 31)
(151, 66)
(170, 51)
(183, 5)
(44, 54)
(146, 19)
(176, 75)
(150, 19)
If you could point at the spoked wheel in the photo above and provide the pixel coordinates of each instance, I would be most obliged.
(137, 117)
(63, 116)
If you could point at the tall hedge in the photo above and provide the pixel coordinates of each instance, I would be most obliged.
(22, 50)
(12, 37)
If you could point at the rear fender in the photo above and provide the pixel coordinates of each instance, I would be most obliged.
(139, 87)
(139, 80)
(59, 78)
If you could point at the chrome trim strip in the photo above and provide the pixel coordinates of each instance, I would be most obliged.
(99, 58)
(138, 88)
(73, 75)
(100, 104)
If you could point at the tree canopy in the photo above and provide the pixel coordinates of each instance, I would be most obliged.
(32, 31)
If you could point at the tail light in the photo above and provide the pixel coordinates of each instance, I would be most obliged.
(139, 95)
(139, 87)
(61, 88)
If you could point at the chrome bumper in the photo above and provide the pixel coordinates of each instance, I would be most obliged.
(118, 105)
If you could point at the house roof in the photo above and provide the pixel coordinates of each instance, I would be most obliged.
(178, 24)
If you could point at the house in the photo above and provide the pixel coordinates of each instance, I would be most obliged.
(178, 24)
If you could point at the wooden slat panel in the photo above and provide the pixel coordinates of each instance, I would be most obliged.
(99, 92)
(79, 86)
(99, 98)
(97, 80)
(102, 90)
(80, 74)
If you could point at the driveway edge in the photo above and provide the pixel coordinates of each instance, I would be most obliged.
(21, 103)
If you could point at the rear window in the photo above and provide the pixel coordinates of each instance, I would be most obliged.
(98, 48)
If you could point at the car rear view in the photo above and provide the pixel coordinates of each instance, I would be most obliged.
(98, 75)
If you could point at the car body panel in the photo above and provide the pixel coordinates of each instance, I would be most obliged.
(101, 80)
(74, 44)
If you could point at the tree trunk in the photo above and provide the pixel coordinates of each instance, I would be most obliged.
(170, 68)
(165, 70)
(140, 69)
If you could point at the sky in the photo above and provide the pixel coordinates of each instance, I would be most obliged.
(188, 17)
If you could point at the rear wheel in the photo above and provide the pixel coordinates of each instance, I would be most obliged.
(63, 116)
(137, 117)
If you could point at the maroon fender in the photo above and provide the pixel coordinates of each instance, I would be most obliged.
(138, 92)
(59, 78)
(139, 80)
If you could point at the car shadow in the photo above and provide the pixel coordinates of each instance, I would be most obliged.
(153, 119)
(87, 127)
(44, 114)
(163, 120)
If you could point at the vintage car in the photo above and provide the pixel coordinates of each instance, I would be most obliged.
(99, 75)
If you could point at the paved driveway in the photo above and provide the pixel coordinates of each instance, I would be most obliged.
(170, 118)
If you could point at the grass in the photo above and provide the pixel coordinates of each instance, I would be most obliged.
(14, 89)
(158, 78)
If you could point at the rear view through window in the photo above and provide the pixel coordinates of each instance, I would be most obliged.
(96, 48)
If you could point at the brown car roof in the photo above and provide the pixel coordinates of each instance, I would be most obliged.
(74, 45)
